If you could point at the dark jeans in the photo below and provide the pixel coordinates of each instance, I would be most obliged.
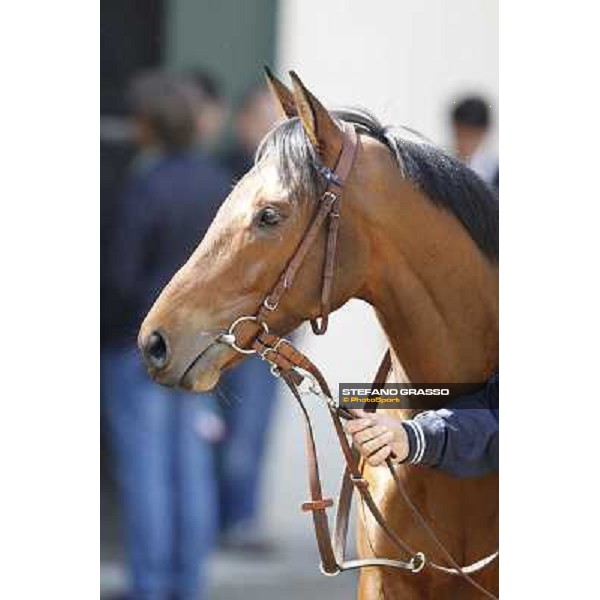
(166, 477)
(249, 399)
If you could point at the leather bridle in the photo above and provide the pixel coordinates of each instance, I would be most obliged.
(295, 369)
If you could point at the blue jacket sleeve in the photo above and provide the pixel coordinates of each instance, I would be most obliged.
(137, 217)
(460, 439)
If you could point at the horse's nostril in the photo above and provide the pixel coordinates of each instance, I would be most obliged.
(156, 350)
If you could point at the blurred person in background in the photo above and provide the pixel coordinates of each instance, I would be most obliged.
(250, 388)
(470, 126)
(162, 441)
(253, 117)
(212, 110)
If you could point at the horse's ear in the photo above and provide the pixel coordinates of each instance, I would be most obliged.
(283, 96)
(321, 129)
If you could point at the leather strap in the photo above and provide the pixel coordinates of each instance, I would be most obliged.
(328, 268)
(329, 207)
(285, 356)
(317, 504)
(288, 359)
(342, 171)
(332, 553)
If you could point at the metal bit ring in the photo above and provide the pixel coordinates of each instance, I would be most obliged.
(231, 341)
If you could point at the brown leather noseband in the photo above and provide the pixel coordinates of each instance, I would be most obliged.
(295, 368)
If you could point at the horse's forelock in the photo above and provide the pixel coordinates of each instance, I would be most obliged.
(294, 157)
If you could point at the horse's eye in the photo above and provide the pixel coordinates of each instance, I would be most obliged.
(268, 217)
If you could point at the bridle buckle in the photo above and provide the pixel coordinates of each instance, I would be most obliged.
(268, 305)
(329, 197)
(314, 388)
(328, 574)
(418, 562)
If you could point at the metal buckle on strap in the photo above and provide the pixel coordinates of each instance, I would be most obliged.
(328, 174)
(333, 574)
(315, 388)
(359, 481)
(282, 341)
(267, 304)
(274, 348)
(329, 197)
(230, 339)
(313, 384)
(263, 354)
(275, 370)
(417, 562)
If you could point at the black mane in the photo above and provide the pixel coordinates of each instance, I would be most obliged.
(444, 179)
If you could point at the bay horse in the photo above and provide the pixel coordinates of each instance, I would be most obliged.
(418, 241)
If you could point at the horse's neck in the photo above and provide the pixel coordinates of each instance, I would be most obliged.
(436, 296)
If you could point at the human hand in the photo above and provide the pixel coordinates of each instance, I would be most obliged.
(377, 436)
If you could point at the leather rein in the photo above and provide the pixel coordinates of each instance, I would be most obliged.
(297, 370)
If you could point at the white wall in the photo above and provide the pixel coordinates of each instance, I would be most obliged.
(404, 59)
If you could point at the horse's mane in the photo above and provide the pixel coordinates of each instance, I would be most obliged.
(445, 180)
